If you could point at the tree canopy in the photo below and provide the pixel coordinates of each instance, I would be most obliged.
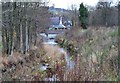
(83, 15)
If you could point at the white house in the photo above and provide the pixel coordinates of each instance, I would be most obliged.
(56, 24)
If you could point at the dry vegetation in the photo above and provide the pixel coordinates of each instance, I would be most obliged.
(26, 67)
(97, 53)
(94, 52)
(56, 59)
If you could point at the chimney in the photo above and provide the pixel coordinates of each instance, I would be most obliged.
(60, 20)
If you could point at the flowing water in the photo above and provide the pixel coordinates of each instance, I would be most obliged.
(50, 40)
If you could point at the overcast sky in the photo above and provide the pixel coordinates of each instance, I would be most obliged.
(67, 3)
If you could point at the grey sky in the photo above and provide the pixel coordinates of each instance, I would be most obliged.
(67, 3)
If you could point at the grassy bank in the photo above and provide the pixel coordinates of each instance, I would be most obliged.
(27, 67)
(96, 52)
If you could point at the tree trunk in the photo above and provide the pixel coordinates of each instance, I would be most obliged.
(21, 39)
(26, 36)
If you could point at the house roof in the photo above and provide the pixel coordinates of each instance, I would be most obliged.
(55, 20)
(60, 26)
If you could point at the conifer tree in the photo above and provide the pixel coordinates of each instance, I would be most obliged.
(83, 15)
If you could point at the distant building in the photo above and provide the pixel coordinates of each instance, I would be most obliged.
(56, 23)
(68, 23)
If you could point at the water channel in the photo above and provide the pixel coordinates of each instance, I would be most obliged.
(50, 39)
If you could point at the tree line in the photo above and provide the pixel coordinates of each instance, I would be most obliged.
(104, 14)
(21, 23)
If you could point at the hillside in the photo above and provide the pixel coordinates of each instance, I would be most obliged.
(95, 52)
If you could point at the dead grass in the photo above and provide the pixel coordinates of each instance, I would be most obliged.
(56, 59)
(96, 47)
(53, 52)
(19, 66)
(96, 58)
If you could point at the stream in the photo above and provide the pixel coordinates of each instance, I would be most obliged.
(50, 40)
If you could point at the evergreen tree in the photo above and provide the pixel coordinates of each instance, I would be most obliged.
(83, 15)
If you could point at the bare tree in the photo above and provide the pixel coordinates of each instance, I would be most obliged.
(103, 15)
(104, 6)
(74, 15)
(21, 20)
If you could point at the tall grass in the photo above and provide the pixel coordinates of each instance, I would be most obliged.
(94, 52)
(96, 60)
